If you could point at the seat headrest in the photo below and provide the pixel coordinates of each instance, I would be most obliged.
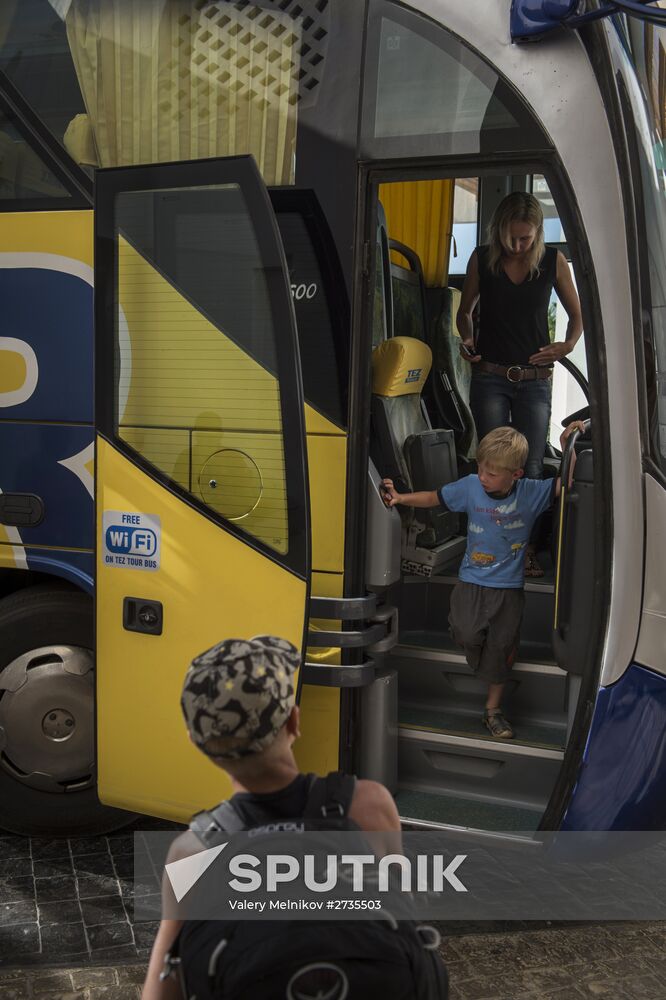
(400, 366)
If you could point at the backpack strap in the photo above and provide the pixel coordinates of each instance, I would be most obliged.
(330, 797)
(213, 825)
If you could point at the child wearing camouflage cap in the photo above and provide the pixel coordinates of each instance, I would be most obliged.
(238, 701)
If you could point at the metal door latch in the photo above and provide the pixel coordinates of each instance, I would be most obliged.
(140, 615)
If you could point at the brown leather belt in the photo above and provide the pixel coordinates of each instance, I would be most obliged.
(515, 373)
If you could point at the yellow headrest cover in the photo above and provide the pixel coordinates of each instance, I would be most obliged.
(400, 366)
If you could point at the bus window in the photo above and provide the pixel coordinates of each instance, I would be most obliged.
(552, 226)
(465, 223)
(568, 397)
(455, 104)
(23, 175)
(382, 313)
(645, 128)
(121, 85)
(36, 57)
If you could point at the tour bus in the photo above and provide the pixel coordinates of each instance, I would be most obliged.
(274, 202)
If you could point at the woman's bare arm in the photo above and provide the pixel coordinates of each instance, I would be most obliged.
(469, 298)
(568, 296)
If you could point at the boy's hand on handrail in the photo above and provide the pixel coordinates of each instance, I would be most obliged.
(390, 495)
(575, 425)
(424, 498)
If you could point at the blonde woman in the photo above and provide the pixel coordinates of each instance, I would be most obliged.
(512, 277)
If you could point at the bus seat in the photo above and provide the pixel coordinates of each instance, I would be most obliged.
(79, 141)
(411, 453)
(453, 375)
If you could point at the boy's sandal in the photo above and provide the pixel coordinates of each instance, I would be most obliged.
(532, 567)
(497, 725)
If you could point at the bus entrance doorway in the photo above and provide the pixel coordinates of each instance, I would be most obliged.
(450, 771)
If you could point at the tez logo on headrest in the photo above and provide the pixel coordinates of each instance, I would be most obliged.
(413, 374)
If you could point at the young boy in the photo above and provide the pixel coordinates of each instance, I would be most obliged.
(238, 704)
(487, 602)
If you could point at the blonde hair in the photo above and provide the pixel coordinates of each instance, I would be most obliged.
(516, 207)
(504, 448)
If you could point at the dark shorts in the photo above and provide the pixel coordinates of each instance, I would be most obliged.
(485, 621)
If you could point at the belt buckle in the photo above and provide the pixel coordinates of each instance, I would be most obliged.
(514, 368)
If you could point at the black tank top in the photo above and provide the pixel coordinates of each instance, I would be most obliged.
(514, 318)
(256, 808)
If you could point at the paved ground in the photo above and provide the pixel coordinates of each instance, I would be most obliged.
(562, 962)
(71, 900)
(67, 932)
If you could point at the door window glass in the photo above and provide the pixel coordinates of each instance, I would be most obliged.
(320, 305)
(197, 372)
(429, 93)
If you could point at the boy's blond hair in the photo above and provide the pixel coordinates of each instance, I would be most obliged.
(504, 448)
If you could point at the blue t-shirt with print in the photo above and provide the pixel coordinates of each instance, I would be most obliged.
(497, 530)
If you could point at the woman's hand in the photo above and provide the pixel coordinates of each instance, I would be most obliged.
(468, 352)
(390, 495)
(552, 353)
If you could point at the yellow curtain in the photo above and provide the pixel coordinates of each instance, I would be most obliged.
(420, 214)
(171, 80)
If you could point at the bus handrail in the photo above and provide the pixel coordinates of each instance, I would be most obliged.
(577, 375)
(565, 472)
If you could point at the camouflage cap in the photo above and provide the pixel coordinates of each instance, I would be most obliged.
(241, 688)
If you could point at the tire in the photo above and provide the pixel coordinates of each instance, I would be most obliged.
(36, 798)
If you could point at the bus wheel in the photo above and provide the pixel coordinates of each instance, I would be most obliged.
(47, 713)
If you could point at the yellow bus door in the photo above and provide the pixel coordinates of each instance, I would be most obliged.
(202, 500)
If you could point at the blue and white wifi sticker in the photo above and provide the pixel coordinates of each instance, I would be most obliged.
(131, 540)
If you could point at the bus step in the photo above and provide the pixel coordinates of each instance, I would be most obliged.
(444, 719)
(493, 771)
(419, 806)
(536, 693)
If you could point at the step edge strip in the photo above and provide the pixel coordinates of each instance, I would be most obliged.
(473, 831)
(445, 655)
(442, 732)
(468, 742)
(531, 587)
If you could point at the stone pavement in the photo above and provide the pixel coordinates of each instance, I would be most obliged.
(623, 961)
(71, 900)
(486, 962)
(67, 932)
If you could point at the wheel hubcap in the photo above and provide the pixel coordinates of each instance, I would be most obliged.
(58, 725)
(46, 718)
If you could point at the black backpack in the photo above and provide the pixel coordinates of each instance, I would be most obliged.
(299, 959)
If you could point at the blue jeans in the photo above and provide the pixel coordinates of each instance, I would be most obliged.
(496, 402)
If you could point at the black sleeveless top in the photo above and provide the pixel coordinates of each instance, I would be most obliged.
(256, 808)
(514, 318)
